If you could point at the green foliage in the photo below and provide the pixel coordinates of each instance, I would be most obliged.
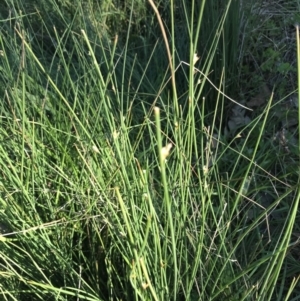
(117, 179)
(269, 48)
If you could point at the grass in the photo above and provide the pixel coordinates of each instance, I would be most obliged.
(129, 169)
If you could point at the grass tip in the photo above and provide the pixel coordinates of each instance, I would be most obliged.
(165, 151)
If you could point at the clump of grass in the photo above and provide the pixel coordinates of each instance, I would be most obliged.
(113, 192)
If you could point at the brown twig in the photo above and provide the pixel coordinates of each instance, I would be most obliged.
(166, 43)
